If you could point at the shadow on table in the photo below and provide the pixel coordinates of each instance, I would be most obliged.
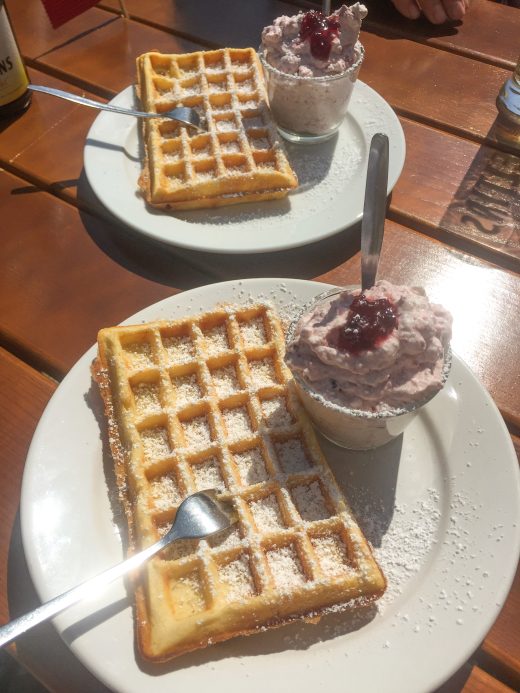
(41, 649)
(384, 20)
(185, 269)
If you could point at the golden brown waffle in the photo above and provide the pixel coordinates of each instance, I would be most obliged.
(206, 402)
(239, 159)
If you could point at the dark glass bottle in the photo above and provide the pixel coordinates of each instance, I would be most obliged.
(14, 95)
(508, 104)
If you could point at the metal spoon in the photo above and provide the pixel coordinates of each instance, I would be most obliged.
(199, 515)
(183, 114)
(373, 222)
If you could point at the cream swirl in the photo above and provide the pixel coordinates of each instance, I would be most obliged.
(285, 50)
(403, 368)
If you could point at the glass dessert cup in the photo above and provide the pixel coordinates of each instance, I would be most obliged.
(355, 429)
(308, 110)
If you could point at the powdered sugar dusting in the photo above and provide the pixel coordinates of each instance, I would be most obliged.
(292, 456)
(216, 339)
(226, 539)
(187, 388)
(197, 431)
(179, 348)
(402, 547)
(139, 355)
(165, 492)
(147, 399)
(188, 594)
(263, 373)
(225, 380)
(322, 175)
(266, 513)
(253, 332)
(237, 577)
(275, 412)
(237, 422)
(207, 475)
(310, 502)
(286, 568)
(251, 466)
(332, 553)
(155, 443)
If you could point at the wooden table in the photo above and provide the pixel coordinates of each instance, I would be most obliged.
(66, 269)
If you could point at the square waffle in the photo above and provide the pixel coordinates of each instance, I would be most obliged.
(239, 159)
(207, 402)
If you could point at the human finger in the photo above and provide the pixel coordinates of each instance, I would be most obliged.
(434, 11)
(407, 8)
(455, 9)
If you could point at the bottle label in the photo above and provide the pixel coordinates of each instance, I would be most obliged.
(13, 78)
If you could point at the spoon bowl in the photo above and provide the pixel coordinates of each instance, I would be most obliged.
(199, 515)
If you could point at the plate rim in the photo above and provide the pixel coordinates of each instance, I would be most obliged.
(501, 594)
(397, 160)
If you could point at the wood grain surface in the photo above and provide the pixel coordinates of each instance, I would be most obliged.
(501, 649)
(491, 35)
(23, 396)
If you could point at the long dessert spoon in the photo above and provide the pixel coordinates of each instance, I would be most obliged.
(374, 210)
(183, 114)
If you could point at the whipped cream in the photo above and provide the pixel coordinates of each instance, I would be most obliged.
(285, 50)
(406, 367)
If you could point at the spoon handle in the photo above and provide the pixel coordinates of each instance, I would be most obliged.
(95, 104)
(89, 588)
(373, 223)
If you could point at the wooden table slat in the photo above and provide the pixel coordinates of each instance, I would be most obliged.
(86, 57)
(92, 303)
(491, 35)
(471, 203)
(66, 300)
(23, 396)
(29, 144)
(465, 38)
(472, 679)
(461, 193)
(482, 682)
(438, 76)
(35, 34)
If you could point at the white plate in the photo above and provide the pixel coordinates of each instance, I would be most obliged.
(442, 511)
(329, 198)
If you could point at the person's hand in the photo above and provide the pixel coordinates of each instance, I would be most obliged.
(437, 11)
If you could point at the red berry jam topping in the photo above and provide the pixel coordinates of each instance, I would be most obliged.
(320, 30)
(369, 323)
